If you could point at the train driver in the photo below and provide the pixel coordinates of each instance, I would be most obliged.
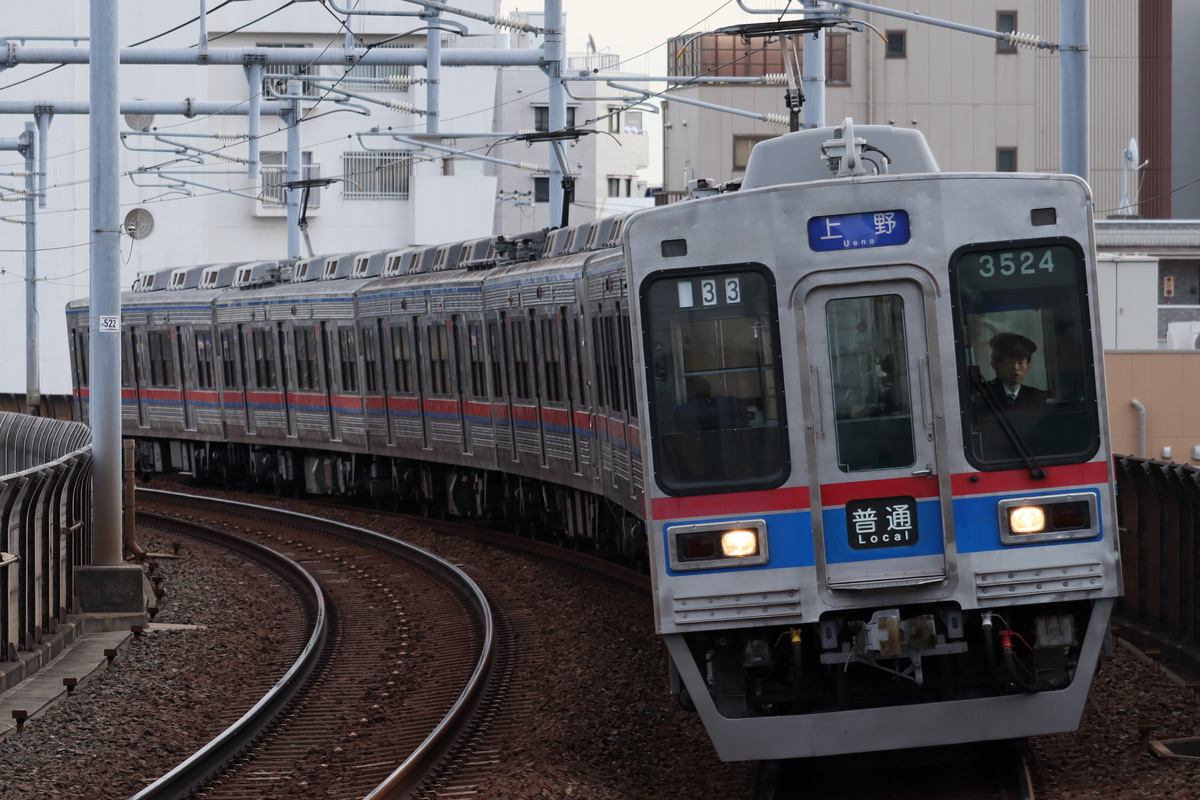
(1012, 355)
(703, 412)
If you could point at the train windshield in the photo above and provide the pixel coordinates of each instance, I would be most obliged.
(715, 390)
(1026, 367)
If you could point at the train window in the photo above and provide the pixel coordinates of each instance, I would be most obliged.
(478, 359)
(520, 361)
(627, 364)
(262, 345)
(551, 354)
(162, 364)
(715, 383)
(370, 345)
(348, 359)
(402, 358)
(439, 359)
(126, 368)
(304, 342)
(1025, 360)
(497, 350)
(229, 361)
(206, 373)
(81, 356)
(869, 364)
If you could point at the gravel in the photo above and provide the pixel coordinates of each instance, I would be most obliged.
(608, 729)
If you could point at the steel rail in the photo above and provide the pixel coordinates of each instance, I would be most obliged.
(235, 738)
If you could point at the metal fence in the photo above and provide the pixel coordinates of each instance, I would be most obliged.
(45, 514)
(1158, 509)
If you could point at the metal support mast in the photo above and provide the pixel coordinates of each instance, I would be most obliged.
(105, 319)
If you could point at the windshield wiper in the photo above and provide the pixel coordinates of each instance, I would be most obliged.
(1018, 443)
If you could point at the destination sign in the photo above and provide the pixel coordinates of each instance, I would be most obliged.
(856, 231)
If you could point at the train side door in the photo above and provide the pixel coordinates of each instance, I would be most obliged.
(287, 382)
(881, 484)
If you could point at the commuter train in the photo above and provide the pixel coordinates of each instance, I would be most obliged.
(848, 411)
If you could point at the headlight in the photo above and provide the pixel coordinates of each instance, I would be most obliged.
(1026, 520)
(716, 545)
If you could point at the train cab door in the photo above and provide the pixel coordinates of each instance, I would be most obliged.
(881, 485)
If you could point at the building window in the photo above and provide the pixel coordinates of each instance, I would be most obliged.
(1006, 159)
(896, 44)
(390, 76)
(276, 76)
(541, 118)
(1006, 22)
(727, 55)
(742, 145)
(541, 190)
(274, 176)
(376, 175)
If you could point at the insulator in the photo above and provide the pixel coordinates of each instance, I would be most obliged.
(231, 159)
(530, 167)
(1023, 39)
(407, 108)
(774, 79)
(399, 80)
(776, 119)
(511, 23)
(229, 137)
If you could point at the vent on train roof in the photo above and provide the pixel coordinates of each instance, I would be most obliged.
(258, 273)
(339, 266)
(218, 277)
(153, 281)
(369, 265)
(186, 278)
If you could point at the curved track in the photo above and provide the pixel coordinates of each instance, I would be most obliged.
(354, 699)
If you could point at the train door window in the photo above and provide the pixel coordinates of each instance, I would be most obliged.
(715, 383)
(262, 346)
(496, 345)
(612, 365)
(126, 368)
(626, 337)
(370, 347)
(162, 363)
(229, 360)
(477, 357)
(551, 353)
(1026, 367)
(206, 372)
(348, 359)
(402, 358)
(81, 357)
(304, 342)
(598, 360)
(868, 357)
(522, 387)
(439, 359)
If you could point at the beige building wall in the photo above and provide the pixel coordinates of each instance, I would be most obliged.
(967, 96)
(1166, 384)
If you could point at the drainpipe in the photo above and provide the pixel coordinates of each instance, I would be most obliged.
(1141, 426)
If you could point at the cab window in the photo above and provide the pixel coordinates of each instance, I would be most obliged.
(1025, 365)
(715, 389)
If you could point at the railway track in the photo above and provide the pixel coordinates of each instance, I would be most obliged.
(356, 715)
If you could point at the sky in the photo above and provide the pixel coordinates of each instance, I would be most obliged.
(638, 30)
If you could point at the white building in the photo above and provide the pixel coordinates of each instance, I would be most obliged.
(188, 193)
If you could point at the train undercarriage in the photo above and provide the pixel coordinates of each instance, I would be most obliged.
(889, 657)
(538, 509)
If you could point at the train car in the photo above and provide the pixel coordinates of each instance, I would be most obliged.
(860, 541)
(848, 412)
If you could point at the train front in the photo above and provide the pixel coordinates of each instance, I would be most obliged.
(878, 494)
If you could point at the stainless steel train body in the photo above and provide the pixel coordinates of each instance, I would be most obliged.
(866, 547)
(781, 399)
